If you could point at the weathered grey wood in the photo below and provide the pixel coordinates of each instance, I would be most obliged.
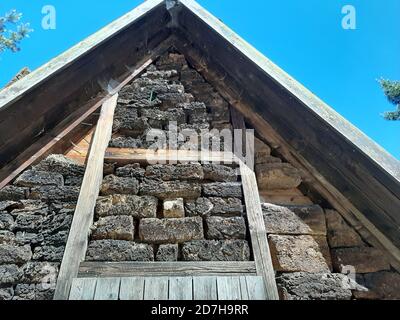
(228, 288)
(180, 288)
(252, 288)
(129, 269)
(360, 169)
(131, 288)
(107, 289)
(75, 250)
(156, 288)
(48, 102)
(83, 289)
(205, 288)
(36, 77)
(258, 233)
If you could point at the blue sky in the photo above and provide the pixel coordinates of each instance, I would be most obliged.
(305, 38)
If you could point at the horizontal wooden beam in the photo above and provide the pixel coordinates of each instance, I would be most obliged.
(124, 156)
(134, 269)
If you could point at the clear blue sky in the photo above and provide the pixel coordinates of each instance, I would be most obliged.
(305, 38)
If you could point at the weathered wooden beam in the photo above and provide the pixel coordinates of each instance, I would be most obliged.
(76, 247)
(50, 94)
(258, 233)
(356, 166)
(159, 269)
(372, 216)
(74, 127)
(124, 156)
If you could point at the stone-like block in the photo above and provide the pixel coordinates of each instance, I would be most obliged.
(223, 189)
(119, 185)
(52, 193)
(297, 254)
(219, 173)
(170, 189)
(198, 207)
(13, 193)
(119, 250)
(60, 164)
(226, 206)
(12, 254)
(40, 272)
(6, 221)
(214, 250)
(191, 171)
(31, 178)
(174, 208)
(273, 176)
(128, 205)
(131, 171)
(159, 231)
(114, 228)
(314, 286)
(219, 228)
(9, 274)
(48, 253)
(167, 252)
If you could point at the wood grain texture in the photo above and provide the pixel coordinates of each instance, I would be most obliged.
(132, 289)
(128, 269)
(252, 288)
(107, 289)
(180, 288)
(76, 79)
(258, 233)
(83, 289)
(228, 288)
(156, 288)
(355, 166)
(205, 288)
(75, 250)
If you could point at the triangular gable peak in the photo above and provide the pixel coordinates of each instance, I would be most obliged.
(353, 174)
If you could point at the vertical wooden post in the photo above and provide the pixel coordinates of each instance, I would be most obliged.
(258, 233)
(77, 243)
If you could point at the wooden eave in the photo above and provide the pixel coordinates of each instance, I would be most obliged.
(351, 170)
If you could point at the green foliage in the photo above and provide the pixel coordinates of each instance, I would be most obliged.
(11, 38)
(392, 92)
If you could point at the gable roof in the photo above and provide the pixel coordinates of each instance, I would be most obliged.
(307, 130)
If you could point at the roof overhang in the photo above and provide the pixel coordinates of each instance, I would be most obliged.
(361, 170)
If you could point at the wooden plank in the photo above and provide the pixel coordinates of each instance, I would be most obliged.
(239, 124)
(107, 289)
(180, 288)
(205, 288)
(156, 288)
(39, 75)
(228, 288)
(47, 145)
(72, 128)
(123, 156)
(258, 233)
(369, 179)
(132, 288)
(129, 269)
(46, 105)
(83, 289)
(233, 42)
(75, 250)
(252, 288)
